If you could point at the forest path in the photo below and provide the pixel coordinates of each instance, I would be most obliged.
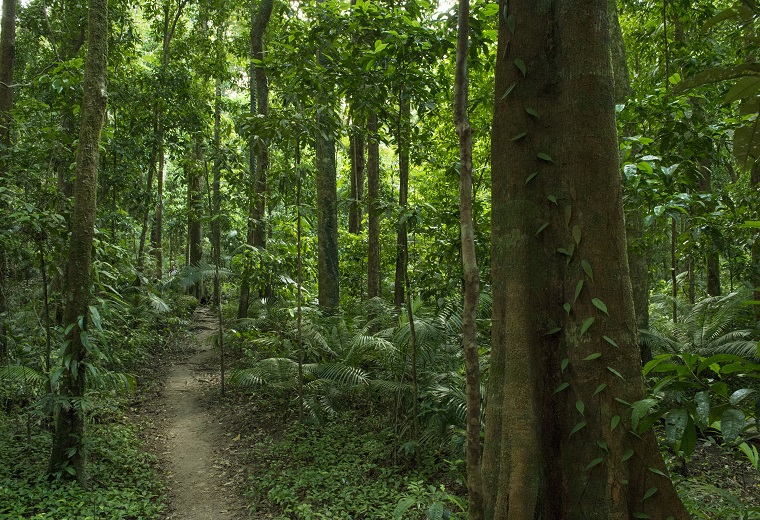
(197, 481)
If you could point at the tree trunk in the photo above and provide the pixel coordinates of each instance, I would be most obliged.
(470, 271)
(373, 208)
(356, 144)
(7, 53)
(259, 152)
(68, 450)
(328, 274)
(564, 357)
(755, 273)
(402, 240)
(195, 212)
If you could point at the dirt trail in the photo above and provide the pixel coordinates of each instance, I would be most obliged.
(196, 478)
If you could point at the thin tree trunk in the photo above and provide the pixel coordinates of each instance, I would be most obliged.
(7, 53)
(68, 449)
(195, 213)
(373, 208)
(674, 268)
(402, 240)
(470, 271)
(356, 144)
(299, 324)
(755, 273)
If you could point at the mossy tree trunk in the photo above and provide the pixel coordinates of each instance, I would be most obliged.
(68, 451)
(564, 359)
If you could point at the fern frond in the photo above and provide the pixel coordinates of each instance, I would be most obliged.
(21, 375)
(338, 373)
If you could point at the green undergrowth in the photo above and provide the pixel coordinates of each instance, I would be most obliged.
(122, 481)
(349, 468)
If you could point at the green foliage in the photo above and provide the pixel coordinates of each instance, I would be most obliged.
(697, 395)
(345, 470)
(124, 483)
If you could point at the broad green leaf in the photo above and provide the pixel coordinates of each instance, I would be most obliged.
(702, 402)
(614, 422)
(561, 387)
(532, 112)
(586, 324)
(568, 214)
(600, 388)
(578, 427)
(564, 364)
(543, 226)
(489, 10)
(732, 423)
(689, 441)
(591, 357)
(602, 444)
(599, 304)
(743, 88)
(675, 425)
(580, 407)
(627, 455)
(566, 306)
(552, 198)
(610, 341)
(640, 409)
(657, 472)
(738, 396)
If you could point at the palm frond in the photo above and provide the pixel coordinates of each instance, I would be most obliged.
(338, 373)
(22, 375)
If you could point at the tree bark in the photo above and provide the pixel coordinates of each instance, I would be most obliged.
(356, 144)
(402, 239)
(68, 450)
(259, 153)
(557, 432)
(194, 212)
(373, 208)
(470, 271)
(7, 53)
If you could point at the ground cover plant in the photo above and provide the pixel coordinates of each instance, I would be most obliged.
(123, 481)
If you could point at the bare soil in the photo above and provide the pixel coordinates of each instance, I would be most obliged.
(192, 444)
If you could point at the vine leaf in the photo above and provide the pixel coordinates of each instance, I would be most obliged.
(610, 341)
(564, 364)
(519, 136)
(567, 308)
(627, 455)
(600, 388)
(641, 515)
(651, 491)
(586, 324)
(599, 304)
(533, 112)
(577, 234)
(561, 387)
(552, 331)
(543, 226)
(553, 198)
(614, 422)
(587, 269)
(545, 157)
(580, 407)
(530, 178)
(602, 444)
(568, 214)
(591, 357)
(594, 462)
(509, 89)
(616, 373)
(520, 64)
(578, 288)
(511, 23)
(658, 472)
(578, 427)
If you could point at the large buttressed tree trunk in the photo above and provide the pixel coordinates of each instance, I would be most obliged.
(68, 443)
(564, 360)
